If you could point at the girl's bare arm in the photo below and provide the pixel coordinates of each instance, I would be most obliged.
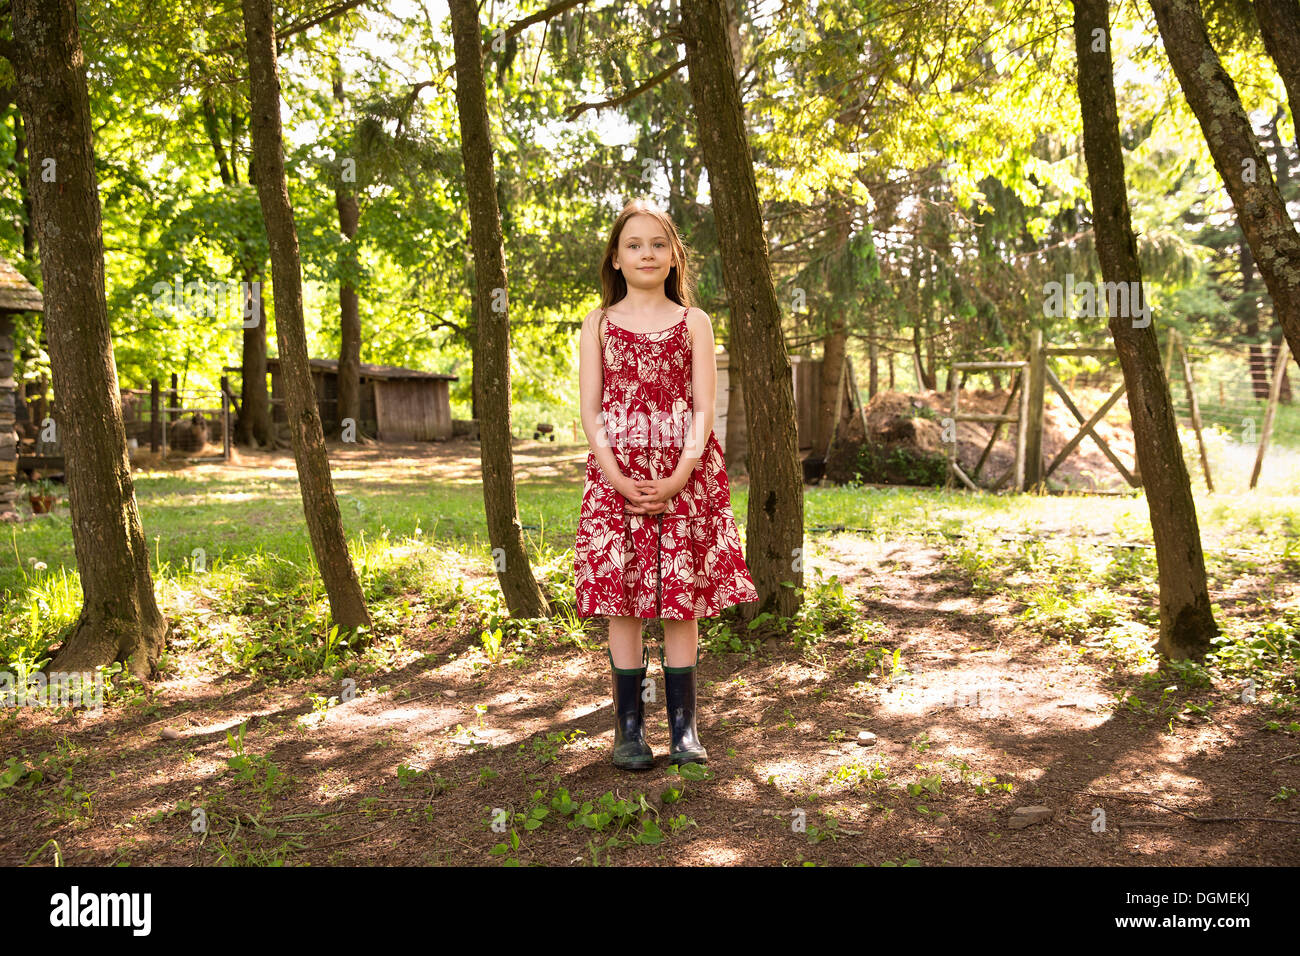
(704, 389)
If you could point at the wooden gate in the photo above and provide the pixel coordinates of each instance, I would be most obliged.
(1034, 375)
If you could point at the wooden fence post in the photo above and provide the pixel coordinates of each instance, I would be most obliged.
(155, 423)
(174, 400)
(1196, 415)
(952, 445)
(1033, 464)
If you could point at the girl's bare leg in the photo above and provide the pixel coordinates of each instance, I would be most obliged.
(625, 642)
(681, 643)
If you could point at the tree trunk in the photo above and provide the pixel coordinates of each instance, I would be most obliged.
(1186, 621)
(349, 401)
(253, 427)
(737, 453)
(324, 523)
(1279, 24)
(873, 359)
(1238, 156)
(119, 618)
(522, 594)
(833, 349)
(253, 423)
(774, 530)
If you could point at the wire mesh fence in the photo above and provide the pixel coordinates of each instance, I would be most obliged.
(1230, 382)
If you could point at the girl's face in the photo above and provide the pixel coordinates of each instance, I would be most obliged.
(644, 252)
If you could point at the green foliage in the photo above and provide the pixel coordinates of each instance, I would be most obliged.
(899, 465)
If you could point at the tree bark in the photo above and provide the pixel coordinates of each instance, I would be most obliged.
(324, 523)
(1238, 156)
(120, 619)
(522, 594)
(253, 424)
(774, 529)
(833, 349)
(737, 453)
(1186, 621)
(873, 359)
(1279, 24)
(345, 200)
(253, 427)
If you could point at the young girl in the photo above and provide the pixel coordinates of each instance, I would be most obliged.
(656, 536)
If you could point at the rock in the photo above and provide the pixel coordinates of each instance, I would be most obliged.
(866, 738)
(169, 734)
(1027, 816)
(448, 693)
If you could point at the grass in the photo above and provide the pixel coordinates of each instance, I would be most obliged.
(234, 573)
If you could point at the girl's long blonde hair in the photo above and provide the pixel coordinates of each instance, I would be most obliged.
(679, 286)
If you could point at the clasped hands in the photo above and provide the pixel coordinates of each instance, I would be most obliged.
(645, 497)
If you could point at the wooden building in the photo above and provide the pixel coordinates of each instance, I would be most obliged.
(16, 295)
(806, 382)
(397, 404)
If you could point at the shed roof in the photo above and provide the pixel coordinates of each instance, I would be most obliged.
(16, 293)
(381, 372)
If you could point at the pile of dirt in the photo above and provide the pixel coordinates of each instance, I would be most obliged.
(902, 440)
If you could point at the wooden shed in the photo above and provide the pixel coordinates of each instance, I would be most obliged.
(397, 404)
(806, 381)
(16, 295)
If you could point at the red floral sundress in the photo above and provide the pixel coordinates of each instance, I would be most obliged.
(686, 562)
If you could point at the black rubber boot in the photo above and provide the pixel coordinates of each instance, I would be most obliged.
(679, 693)
(631, 752)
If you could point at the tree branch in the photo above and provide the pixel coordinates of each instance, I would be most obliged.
(576, 111)
(328, 14)
(297, 26)
(519, 26)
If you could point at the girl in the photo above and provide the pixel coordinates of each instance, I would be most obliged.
(656, 536)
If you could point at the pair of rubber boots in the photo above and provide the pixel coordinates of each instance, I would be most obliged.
(631, 752)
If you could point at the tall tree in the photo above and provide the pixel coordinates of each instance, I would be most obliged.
(774, 528)
(345, 200)
(253, 424)
(1238, 156)
(119, 619)
(324, 523)
(1279, 24)
(522, 594)
(1186, 620)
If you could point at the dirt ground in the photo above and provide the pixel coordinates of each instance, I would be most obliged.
(985, 706)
